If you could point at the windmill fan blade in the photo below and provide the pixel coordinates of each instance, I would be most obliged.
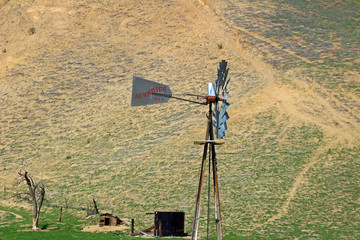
(225, 96)
(226, 84)
(220, 78)
(223, 64)
(221, 118)
(225, 75)
(223, 114)
(218, 81)
(221, 81)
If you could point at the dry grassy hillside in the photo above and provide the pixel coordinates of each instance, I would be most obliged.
(290, 165)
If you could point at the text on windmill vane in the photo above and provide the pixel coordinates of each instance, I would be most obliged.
(150, 91)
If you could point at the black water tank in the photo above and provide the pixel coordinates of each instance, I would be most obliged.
(169, 224)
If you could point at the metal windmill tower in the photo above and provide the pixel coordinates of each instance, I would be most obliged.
(147, 92)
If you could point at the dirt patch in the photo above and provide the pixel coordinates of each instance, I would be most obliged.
(97, 228)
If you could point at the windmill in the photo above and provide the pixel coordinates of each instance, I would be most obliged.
(147, 92)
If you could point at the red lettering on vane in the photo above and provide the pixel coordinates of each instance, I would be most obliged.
(158, 99)
(149, 92)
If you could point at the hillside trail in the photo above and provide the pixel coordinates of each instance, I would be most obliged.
(18, 218)
(303, 103)
(299, 180)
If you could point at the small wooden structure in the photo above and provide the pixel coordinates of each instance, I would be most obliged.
(108, 219)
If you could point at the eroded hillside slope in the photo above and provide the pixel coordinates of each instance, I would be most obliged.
(291, 159)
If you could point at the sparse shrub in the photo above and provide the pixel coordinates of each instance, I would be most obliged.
(31, 31)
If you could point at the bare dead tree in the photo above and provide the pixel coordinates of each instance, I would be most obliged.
(36, 193)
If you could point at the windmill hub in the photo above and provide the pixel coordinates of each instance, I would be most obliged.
(213, 99)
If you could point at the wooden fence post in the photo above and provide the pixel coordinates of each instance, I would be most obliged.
(60, 214)
(96, 208)
(132, 226)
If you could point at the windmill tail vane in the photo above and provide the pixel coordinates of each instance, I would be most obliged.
(143, 92)
(146, 92)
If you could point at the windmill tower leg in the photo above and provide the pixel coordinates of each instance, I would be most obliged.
(217, 197)
(195, 224)
(212, 164)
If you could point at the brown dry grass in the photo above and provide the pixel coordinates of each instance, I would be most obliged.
(65, 103)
